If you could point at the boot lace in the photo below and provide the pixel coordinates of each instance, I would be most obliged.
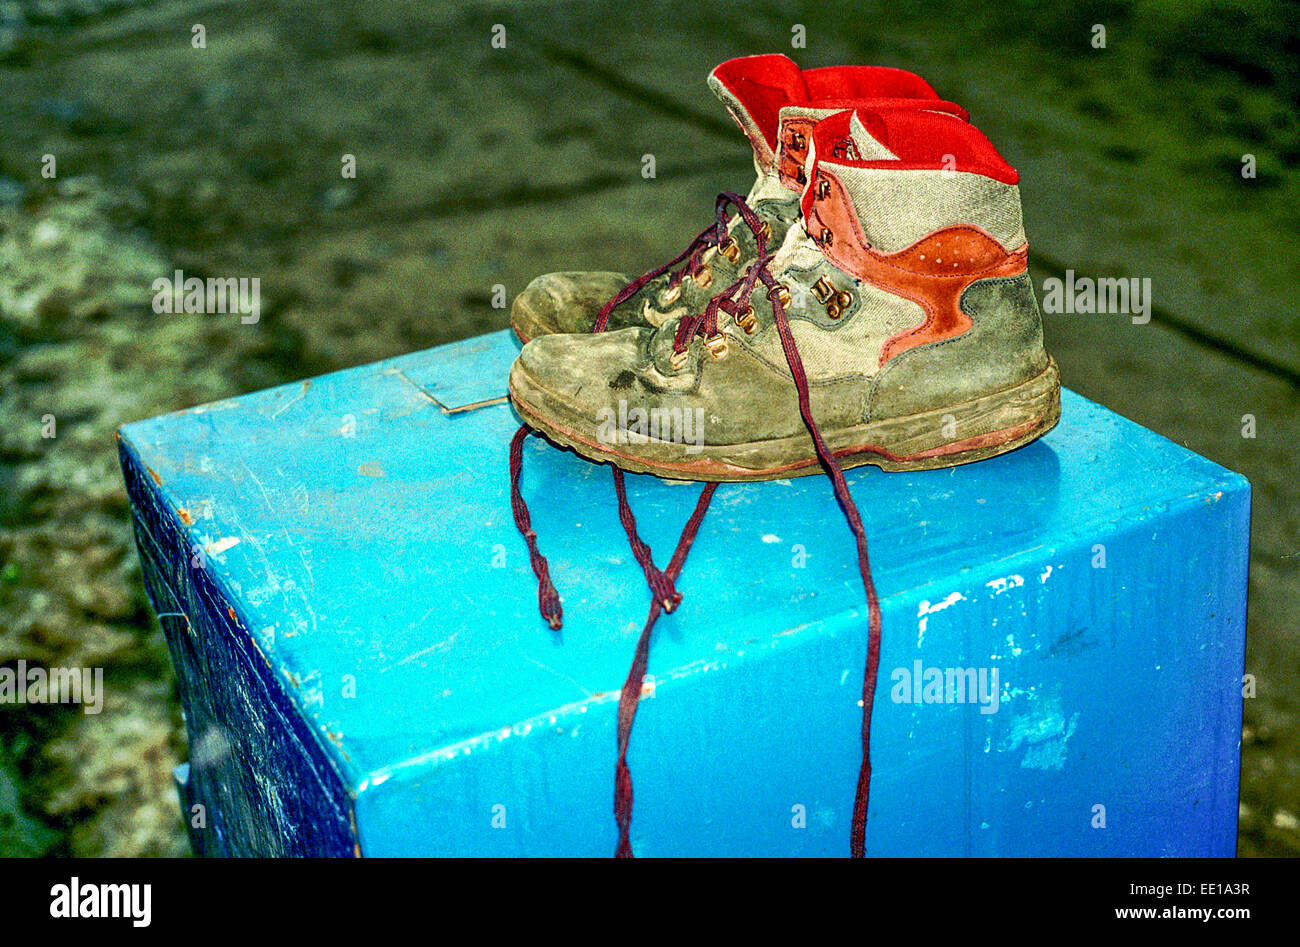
(714, 235)
(664, 596)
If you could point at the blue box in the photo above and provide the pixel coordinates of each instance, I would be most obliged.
(354, 626)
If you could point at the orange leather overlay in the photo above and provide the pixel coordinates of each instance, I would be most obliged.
(933, 272)
(794, 136)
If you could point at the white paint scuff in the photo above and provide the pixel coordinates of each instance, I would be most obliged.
(215, 547)
(1001, 585)
(926, 609)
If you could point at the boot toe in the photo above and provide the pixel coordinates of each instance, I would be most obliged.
(562, 303)
(570, 378)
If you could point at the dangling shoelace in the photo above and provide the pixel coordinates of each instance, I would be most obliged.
(661, 587)
(664, 597)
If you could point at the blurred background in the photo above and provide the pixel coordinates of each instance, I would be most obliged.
(1170, 153)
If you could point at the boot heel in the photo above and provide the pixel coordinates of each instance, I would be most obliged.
(960, 434)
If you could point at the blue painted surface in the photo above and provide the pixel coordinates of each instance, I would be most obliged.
(265, 785)
(359, 540)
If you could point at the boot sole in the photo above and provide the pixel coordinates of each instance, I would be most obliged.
(522, 336)
(1008, 419)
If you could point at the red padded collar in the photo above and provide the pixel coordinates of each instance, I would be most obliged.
(764, 84)
(921, 139)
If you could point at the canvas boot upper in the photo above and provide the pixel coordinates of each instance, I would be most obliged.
(775, 104)
(905, 291)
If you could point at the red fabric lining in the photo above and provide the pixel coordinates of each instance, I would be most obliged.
(922, 140)
(764, 84)
(790, 159)
(857, 82)
(885, 102)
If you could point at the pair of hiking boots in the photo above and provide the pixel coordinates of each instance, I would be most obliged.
(883, 229)
(867, 303)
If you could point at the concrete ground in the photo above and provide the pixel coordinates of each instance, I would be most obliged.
(480, 166)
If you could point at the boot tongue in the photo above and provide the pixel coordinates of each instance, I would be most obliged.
(838, 130)
(795, 142)
(869, 138)
(753, 89)
(844, 136)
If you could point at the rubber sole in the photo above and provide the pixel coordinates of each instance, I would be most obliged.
(993, 424)
(523, 331)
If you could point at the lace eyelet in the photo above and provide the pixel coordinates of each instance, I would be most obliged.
(671, 294)
(717, 345)
(678, 359)
(731, 250)
(703, 277)
(781, 291)
(823, 188)
(746, 321)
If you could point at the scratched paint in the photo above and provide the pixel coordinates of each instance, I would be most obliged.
(1043, 731)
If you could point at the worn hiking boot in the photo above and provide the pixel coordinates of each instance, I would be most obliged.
(775, 103)
(897, 322)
